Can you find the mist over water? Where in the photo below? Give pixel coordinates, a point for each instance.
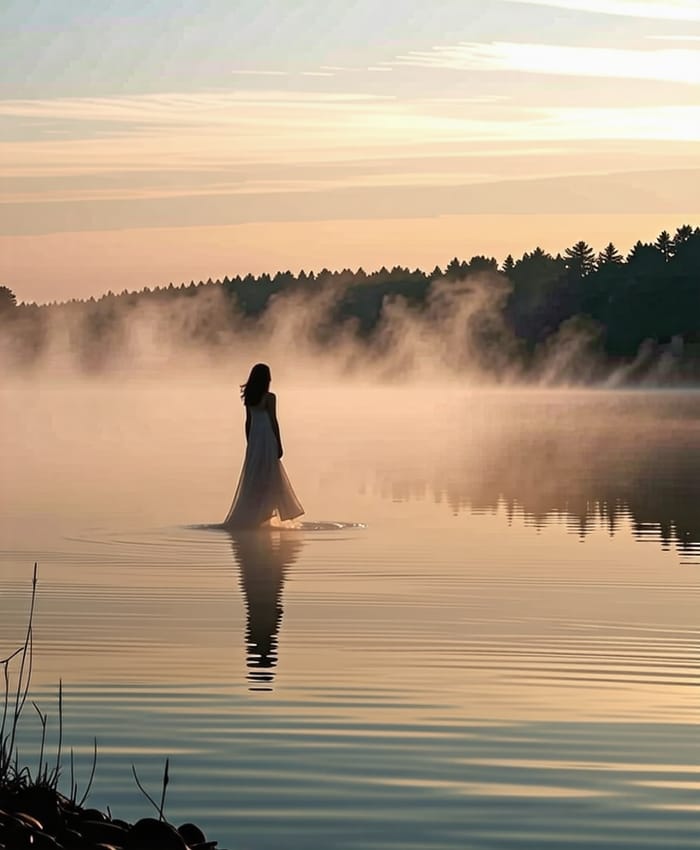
(134, 447)
(503, 656)
(458, 333)
(297, 333)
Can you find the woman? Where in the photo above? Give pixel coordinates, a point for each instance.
(263, 489)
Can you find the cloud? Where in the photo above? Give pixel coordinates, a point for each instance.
(668, 64)
(674, 37)
(353, 179)
(250, 145)
(668, 10)
(179, 107)
(668, 191)
(233, 131)
(679, 123)
(254, 73)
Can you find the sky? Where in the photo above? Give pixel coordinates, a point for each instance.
(149, 141)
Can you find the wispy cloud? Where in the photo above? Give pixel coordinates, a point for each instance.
(669, 64)
(475, 99)
(678, 123)
(198, 109)
(211, 131)
(255, 143)
(247, 72)
(322, 71)
(674, 37)
(352, 179)
(667, 10)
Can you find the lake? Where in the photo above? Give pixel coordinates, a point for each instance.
(485, 634)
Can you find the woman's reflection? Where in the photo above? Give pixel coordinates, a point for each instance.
(263, 557)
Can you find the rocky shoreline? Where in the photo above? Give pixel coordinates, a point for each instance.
(38, 817)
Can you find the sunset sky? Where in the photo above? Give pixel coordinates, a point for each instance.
(144, 142)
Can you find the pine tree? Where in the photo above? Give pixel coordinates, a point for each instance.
(609, 256)
(683, 234)
(664, 244)
(635, 250)
(455, 269)
(580, 259)
(508, 265)
(481, 263)
(8, 300)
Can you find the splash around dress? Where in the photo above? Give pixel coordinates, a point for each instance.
(263, 491)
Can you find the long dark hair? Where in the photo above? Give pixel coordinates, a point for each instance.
(257, 385)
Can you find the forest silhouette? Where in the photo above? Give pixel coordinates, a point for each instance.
(625, 310)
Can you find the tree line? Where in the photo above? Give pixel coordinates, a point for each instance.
(651, 297)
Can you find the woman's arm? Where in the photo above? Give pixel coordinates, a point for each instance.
(247, 423)
(272, 410)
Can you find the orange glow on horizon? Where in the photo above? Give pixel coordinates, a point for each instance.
(91, 263)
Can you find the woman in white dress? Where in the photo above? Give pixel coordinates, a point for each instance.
(263, 490)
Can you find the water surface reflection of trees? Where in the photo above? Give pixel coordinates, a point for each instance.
(602, 459)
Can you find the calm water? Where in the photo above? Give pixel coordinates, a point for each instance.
(506, 656)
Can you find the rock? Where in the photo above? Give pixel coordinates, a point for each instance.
(41, 803)
(93, 814)
(72, 817)
(15, 833)
(42, 841)
(70, 838)
(103, 832)
(32, 822)
(191, 834)
(149, 833)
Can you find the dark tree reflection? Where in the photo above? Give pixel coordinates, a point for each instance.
(587, 459)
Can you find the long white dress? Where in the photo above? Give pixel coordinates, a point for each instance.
(263, 491)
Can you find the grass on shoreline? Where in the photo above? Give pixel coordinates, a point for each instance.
(33, 812)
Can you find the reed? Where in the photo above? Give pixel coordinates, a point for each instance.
(14, 777)
(32, 810)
